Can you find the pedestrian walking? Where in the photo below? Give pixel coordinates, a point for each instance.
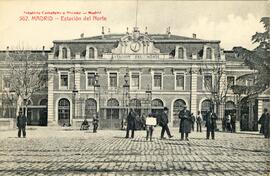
(185, 122)
(95, 124)
(266, 127)
(199, 122)
(21, 124)
(192, 121)
(210, 124)
(233, 123)
(131, 118)
(150, 123)
(164, 123)
(262, 120)
(228, 123)
(224, 128)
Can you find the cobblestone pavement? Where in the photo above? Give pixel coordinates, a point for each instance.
(56, 151)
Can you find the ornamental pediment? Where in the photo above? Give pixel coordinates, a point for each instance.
(135, 43)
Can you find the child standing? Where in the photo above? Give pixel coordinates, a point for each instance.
(150, 123)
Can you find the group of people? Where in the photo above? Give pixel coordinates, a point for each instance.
(187, 120)
(85, 125)
(265, 123)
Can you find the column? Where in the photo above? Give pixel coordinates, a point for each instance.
(193, 90)
(77, 76)
(51, 108)
(222, 90)
(260, 107)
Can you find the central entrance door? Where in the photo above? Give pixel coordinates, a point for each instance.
(64, 112)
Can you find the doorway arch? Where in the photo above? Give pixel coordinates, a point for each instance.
(177, 107)
(90, 108)
(64, 112)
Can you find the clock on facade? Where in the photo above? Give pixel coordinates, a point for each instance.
(135, 46)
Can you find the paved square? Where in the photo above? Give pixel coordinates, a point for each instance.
(56, 151)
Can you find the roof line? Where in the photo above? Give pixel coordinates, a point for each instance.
(113, 40)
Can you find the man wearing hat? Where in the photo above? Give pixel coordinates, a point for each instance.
(164, 123)
(131, 120)
(185, 122)
(21, 123)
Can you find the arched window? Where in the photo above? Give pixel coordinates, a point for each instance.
(157, 103)
(91, 52)
(43, 102)
(90, 108)
(112, 109)
(177, 107)
(181, 53)
(136, 104)
(208, 53)
(230, 108)
(63, 112)
(205, 106)
(64, 53)
(157, 106)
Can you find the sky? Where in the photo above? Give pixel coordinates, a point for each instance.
(231, 22)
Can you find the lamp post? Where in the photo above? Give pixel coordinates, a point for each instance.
(149, 98)
(97, 88)
(126, 87)
(74, 93)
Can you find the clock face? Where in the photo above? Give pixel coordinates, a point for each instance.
(135, 46)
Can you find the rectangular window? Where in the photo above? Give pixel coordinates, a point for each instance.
(113, 80)
(135, 80)
(207, 82)
(90, 79)
(158, 80)
(180, 81)
(64, 80)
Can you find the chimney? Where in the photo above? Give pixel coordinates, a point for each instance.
(82, 35)
(169, 31)
(43, 50)
(103, 32)
(109, 30)
(127, 31)
(194, 36)
(146, 30)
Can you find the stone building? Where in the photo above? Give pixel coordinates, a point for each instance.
(108, 74)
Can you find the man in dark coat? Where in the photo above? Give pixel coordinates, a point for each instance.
(199, 122)
(210, 123)
(131, 118)
(192, 121)
(164, 123)
(267, 126)
(233, 123)
(262, 120)
(21, 124)
(95, 124)
(185, 122)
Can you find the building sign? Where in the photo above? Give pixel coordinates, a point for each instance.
(135, 56)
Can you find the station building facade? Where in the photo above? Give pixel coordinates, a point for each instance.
(106, 75)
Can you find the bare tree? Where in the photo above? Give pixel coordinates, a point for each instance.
(27, 75)
(216, 86)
